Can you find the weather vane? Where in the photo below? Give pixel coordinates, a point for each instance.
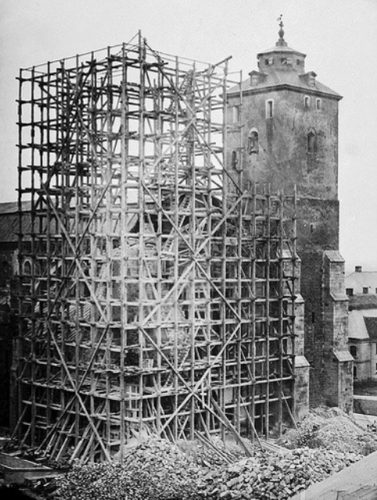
(281, 31)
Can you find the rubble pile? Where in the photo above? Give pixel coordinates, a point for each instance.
(273, 476)
(332, 429)
(153, 470)
(158, 470)
(212, 453)
(325, 441)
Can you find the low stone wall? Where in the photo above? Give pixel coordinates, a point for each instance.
(365, 404)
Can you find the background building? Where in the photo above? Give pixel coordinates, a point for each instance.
(361, 282)
(361, 288)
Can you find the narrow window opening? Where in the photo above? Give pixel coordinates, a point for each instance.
(27, 268)
(318, 103)
(354, 372)
(306, 102)
(253, 142)
(234, 159)
(269, 108)
(312, 142)
(313, 317)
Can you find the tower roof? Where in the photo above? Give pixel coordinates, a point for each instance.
(282, 67)
(281, 45)
(280, 49)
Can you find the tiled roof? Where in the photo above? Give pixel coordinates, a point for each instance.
(361, 302)
(359, 280)
(371, 324)
(279, 49)
(357, 328)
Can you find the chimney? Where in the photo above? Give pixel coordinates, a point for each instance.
(358, 269)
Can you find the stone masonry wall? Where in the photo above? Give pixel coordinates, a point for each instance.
(283, 159)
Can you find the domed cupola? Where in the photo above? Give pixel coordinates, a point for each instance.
(281, 57)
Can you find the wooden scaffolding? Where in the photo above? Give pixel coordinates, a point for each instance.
(156, 295)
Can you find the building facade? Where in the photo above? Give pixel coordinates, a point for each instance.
(361, 282)
(361, 288)
(288, 124)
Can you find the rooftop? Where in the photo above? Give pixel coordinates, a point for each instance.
(362, 279)
(360, 302)
(283, 67)
(11, 207)
(362, 324)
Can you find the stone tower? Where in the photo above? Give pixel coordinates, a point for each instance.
(288, 125)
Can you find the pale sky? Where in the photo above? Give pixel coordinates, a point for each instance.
(338, 36)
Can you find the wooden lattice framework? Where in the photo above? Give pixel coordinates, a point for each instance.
(159, 296)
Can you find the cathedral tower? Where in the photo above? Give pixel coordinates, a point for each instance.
(288, 122)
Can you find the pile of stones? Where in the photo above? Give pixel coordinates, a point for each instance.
(158, 470)
(274, 476)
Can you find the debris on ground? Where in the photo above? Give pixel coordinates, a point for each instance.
(326, 441)
(332, 429)
(274, 476)
(159, 470)
(153, 470)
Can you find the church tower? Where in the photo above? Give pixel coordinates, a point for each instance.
(287, 124)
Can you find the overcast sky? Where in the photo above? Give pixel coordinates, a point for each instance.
(338, 36)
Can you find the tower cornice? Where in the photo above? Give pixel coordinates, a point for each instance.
(285, 86)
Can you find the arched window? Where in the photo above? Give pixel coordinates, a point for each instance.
(27, 268)
(253, 142)
(306, 102)
(318, 103)
(312, 142)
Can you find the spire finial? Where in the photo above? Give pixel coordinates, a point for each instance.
(281, 41)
